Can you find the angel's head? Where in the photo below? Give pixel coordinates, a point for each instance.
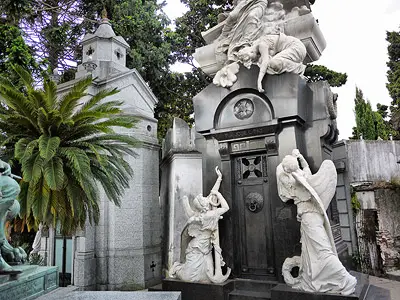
(247, 56)
(290, 164)
(201, 204)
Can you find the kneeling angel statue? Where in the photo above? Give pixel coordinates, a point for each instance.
(200, 237)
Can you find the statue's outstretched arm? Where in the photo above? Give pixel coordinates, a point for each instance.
(218, 181)
(263, 49)
(189, 211)
(304, 165)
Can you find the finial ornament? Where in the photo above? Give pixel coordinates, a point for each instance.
(104, 13)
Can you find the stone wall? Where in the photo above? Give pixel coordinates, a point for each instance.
(378, 228)
(373, 160)
(369, 202)
(388, 207)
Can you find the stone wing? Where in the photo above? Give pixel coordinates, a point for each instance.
(191, 230)
(185, 239)
(324, 182)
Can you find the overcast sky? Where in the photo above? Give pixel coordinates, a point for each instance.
(355, 31)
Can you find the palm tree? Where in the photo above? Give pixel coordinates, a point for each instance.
(67, 147)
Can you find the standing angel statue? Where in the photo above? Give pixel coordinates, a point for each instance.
(200, 237)
(320, 268)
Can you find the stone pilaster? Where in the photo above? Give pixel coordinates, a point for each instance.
(181, 175)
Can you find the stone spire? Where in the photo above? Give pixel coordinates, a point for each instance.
(103, 49)
(105, 30)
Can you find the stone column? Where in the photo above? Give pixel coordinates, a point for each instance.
(181, 175)
(47, 245)
(84, 264)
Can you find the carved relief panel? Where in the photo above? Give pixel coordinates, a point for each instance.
(241, 110)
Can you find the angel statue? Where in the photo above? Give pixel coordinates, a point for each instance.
(200, 237)
(9, 208)
(320, 268)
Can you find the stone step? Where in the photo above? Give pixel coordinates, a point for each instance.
(377, 293)
(254, 285)
(249, 295)
(59, 293)
(393, 275)
(362, 284)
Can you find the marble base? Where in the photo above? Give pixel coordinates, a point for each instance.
(199, 291)
(284, 292)
(31, 283)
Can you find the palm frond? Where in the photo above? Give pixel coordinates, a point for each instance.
(70, 100)
(24, 75)
(94, 101)
(50, 92)
(48, 146)
(77, 159)
(66, 148)
(54, 173)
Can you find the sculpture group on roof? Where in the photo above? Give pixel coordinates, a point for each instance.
(253, 34)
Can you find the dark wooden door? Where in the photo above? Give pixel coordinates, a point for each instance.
(253, 226)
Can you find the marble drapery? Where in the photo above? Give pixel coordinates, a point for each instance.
(320, 268)
(200, 236)
(253, 34)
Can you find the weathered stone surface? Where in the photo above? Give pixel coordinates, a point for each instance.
(366, 159)
(374, 201)
(377, 230)
(179, 138)
(388, 202)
